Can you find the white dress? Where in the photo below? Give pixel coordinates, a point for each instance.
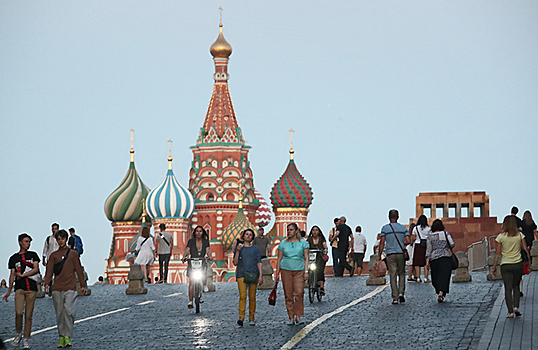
(145, 254)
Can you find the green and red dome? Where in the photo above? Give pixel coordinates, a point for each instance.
(291, 190)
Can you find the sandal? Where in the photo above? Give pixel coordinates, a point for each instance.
(510, 316)
(322, 291)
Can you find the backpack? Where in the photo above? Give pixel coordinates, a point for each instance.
(78, 245)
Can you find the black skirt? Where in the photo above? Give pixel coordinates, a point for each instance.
(441, 270)
(419, 255)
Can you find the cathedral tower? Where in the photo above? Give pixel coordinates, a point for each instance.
(220, 168)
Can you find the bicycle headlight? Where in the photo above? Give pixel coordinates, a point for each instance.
(312, 266)
(197, 275)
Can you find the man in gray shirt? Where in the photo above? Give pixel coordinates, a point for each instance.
(163, 246)
(263, 243)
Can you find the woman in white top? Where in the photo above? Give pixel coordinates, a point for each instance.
(146, 252)
(421, 231)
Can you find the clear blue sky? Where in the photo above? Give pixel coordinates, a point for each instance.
(388, 99)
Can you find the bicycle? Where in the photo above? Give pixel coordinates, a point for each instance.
(197, 274)
(313, 283)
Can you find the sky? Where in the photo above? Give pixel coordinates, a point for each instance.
(388, 99)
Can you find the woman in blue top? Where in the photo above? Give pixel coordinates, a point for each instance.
(247, 258)
(292, 254)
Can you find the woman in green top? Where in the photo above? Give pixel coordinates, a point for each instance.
(509, 244)
(292, 254)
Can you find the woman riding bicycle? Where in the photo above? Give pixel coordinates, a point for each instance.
(316, 240)
(197, 247)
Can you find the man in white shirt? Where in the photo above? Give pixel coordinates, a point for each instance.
(358, 249)
(50, 244)
(163, 248)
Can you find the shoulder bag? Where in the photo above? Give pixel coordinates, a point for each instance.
(453, 259)
(405, 253)
(251, 277)
(380, 268)
(164, 239)
(57, 268)
(422, 240)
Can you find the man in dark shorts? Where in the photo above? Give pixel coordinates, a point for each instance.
(23, 265)
(358, 249)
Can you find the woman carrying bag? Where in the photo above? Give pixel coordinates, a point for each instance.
(439, 258)
(509, 244)
(248, 259)
(292, 254)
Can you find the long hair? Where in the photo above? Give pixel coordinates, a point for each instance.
(204, 233)
(422, 221)
(527, 217)
(145, 232)
(412, 227)
(510, 225)
(310, 238)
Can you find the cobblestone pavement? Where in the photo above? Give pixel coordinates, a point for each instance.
(161, 320)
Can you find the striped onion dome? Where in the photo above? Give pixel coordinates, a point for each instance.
(233, 230)
(291, 190)
(170, 199)
(264, 210)
(125, 203)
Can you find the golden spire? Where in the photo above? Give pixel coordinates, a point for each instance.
(240, 196)
(143, 210)
(291, 149)
(132, 149)
(169, 154)
(221, 48)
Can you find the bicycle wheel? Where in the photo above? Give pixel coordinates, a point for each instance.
(197, 296)
(311, 287)
(316, 287)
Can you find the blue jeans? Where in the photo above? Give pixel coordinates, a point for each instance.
(336, 267)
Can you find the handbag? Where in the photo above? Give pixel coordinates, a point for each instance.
(405, 253)
(272, 296)
(251, 277)
(380, 268)
(453, 259)
(325, 257)
(422, 240)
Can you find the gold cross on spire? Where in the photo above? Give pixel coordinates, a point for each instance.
(169, 154)
(169, 147)
(132, 132)
(132, 148)
(291, 149)
(220, 9)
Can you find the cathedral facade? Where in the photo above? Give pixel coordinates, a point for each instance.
(220, 196)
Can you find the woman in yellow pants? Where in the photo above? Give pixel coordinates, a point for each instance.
(248, 259)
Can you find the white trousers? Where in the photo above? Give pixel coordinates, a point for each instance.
(65, 304)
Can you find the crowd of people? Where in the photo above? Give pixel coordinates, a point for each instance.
(419, 247)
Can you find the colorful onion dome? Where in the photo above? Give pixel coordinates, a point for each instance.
(234, 229)
(264, 210)
(125, 203)
(170, 199)
(291, 190)
(221, 48)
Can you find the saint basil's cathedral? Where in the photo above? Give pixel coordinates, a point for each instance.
(221, 196)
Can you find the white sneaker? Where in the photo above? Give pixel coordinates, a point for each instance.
(189, 305)
(17, 339)
(206, 289)
(25, 344)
